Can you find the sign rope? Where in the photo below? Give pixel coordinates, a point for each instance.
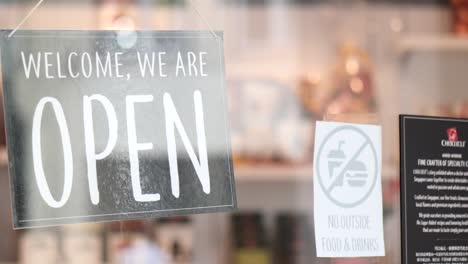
(25, 18)
(192, 4)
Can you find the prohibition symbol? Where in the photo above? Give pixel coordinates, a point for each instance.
(347, 166)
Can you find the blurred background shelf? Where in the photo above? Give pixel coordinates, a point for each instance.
(432, 43)
(273, 173)
(276, 173)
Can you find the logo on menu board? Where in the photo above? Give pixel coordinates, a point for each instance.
(452, 136)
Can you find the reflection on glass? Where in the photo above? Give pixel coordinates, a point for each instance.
(289, 63)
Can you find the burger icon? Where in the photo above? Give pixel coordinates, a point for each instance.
(356, 174)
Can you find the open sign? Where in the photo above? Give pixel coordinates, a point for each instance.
(99, 132)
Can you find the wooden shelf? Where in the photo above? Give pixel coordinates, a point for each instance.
(273, 173)
(432, 43)
(284, 174)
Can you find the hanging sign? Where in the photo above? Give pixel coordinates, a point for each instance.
(434, 189)
(347, 190)
(106, 125)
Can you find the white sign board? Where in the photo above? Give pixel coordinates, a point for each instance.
(347, 190)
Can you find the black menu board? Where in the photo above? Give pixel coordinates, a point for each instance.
(434, 189)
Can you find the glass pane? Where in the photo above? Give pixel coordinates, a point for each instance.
(289, 63)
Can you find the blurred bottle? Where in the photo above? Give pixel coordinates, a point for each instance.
(83, 244)
(460, 17)
(175, 237)
(39, 246)
(293, 240)
(250, 242)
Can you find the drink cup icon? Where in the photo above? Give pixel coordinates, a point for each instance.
(335, 158)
